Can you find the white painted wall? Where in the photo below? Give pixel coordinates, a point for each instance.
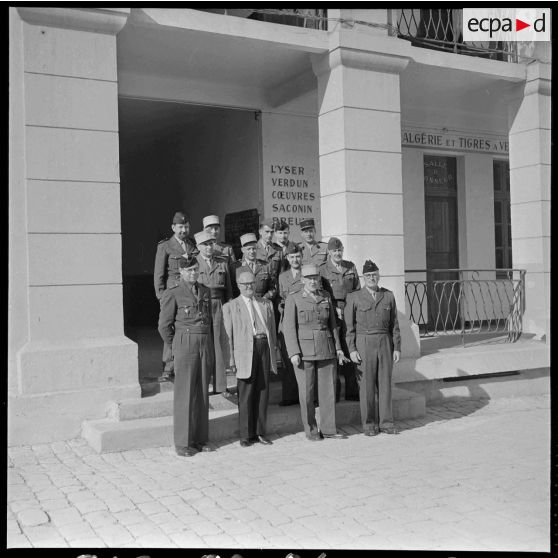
(291, 169)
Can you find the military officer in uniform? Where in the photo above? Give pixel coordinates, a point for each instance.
(290, 282)
(265, 250)
(166, 273)
(312, 251)
(313, 345)
(212, 226)
(282, 242)
(374, 343)
(214, 274)
(266, 280)
(186, 326)
(340, 277)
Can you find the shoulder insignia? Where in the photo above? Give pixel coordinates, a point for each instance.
(164, 240)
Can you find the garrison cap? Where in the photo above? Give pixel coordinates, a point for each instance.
(309, 269)
(369, 266)
(306, 224)
(202, 237)
(293, 249)
(180, 218)
(211, 220)
(268, 223)
(281, 225)
(334, 244)
(185, 263)
(247, 239)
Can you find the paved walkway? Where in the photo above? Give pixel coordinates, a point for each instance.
(470, 475)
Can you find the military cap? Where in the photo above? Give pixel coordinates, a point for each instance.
(307, 223)
(211, 220)
(180, 218)
(309, 269)
(281, 225)
(293, 249)
(185, 263)
(247, 239)
(334, 243)
(268, 223)
(369, 266)
(202, 236)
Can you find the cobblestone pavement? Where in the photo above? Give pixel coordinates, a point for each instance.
(470, 475)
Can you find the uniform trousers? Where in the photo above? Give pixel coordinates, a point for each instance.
(347, 369)
(289, 385)
(324, 371)
(193, 363)
(218, 377)
(376, 352)
(253, 393)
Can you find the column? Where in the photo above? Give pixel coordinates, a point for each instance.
(69, 353)
(360, 163)
(530, 196)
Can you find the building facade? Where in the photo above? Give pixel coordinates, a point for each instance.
(418, 158)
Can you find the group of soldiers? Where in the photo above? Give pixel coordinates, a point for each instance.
(297, 304)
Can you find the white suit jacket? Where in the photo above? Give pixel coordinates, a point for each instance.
(238, 345)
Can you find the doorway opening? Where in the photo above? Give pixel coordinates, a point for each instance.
(176, 157)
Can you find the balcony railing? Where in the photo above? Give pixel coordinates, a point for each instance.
(466, 301)
(442, 29)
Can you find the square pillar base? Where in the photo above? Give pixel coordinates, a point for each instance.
(59, 386)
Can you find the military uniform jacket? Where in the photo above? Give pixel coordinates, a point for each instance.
(265, 279)
(315, 254)
(310, 327)
(288, 284)
(273, 257)
(225, 251)
(216, 277)
(165, 270)
(181, 310)
(364, 315)
(283, 249)
(339, 283)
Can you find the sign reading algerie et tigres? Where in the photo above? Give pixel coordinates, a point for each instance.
(453, 140)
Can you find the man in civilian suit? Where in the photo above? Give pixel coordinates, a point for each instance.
(249, 349)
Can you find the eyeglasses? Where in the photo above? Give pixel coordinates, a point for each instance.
(371, 275)
(191, 269)
(248, 284)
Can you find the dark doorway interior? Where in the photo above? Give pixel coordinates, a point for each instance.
(440, 191)
(176, 157)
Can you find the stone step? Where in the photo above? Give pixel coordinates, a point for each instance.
(111, 435)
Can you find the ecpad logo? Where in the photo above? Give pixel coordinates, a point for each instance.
(506, 24)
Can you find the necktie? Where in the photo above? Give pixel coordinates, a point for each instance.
(183, 245)
(256, 322)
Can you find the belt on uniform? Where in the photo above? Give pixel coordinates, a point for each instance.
(312, 329)
(260, 336)
(371, 332)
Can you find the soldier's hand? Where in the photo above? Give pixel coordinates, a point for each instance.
(341, 358)
(295, 359)
(339, 312)
(355, 357)
(396, 356)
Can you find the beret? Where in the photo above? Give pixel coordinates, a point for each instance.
(334, 243)
(190, 261)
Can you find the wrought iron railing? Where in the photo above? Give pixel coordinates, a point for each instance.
(442, 29)
(466, 301)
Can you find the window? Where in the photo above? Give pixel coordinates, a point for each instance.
(502, 217)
